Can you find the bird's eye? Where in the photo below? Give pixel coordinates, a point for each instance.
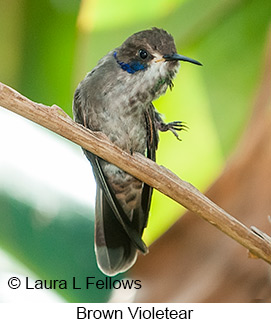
(143, 53)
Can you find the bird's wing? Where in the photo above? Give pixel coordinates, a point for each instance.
(111, 200)
(152, 143)
(114, 203)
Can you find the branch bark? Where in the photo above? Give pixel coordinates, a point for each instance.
(162, 179)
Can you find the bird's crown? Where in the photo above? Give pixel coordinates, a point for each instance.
(149, 46)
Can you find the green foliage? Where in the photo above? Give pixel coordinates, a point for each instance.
(45, 53)
(58, 248)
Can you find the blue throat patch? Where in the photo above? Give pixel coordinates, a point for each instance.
(130, 68)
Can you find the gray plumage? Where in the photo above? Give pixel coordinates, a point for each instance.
(116, 99)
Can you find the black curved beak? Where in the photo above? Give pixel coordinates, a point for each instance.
(177, 57)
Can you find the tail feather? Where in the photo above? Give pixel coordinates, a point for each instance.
(114, 249)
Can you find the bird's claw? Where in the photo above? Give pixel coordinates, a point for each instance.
(173, 127)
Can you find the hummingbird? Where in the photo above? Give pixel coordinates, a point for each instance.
(115, 98)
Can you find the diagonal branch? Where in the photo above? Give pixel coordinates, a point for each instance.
(56, 120)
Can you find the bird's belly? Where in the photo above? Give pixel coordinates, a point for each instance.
(127, 130)
(126, 188)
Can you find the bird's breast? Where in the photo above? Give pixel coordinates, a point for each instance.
(126, 127)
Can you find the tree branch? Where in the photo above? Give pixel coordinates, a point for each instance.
(56, 120)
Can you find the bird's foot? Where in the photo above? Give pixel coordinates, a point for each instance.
(173, 127)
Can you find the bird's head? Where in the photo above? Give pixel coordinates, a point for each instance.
(150, 49)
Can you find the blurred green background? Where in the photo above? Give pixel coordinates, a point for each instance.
(47, 48)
